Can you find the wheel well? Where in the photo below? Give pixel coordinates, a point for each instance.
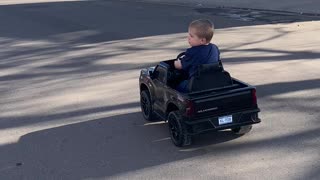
(171, 107)
(143, 87)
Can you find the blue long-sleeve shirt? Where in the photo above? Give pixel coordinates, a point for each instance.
(197, 55)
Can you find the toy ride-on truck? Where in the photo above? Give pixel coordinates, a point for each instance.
(215, 101)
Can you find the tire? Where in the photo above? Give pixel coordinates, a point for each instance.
(146, 106)
(242, 130)
(178, 130)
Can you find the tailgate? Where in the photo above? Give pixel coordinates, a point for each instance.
(223, 104)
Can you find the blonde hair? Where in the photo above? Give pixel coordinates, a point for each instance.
(204, 28)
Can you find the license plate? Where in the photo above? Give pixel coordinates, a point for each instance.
(225, 120)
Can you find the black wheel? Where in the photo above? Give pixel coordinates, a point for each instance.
(146, 106)
(178, 130)
(242, 130)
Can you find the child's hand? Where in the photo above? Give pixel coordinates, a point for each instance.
(177, 64)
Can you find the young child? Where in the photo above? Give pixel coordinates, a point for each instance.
(201, 50)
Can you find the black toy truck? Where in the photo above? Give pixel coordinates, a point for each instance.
(215, 101)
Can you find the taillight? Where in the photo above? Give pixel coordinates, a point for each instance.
(189, 108)
(254, 97)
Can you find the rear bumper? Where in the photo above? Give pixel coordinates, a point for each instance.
(242, 118)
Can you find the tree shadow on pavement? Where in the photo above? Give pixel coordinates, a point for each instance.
(112, 146)
(106, 20)
(96, 148)
(56, 43)
(58, 39)
(287, 56)
(267, 90)
(18, 121)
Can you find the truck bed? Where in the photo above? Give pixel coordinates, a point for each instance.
(223, 101)
(236, 86)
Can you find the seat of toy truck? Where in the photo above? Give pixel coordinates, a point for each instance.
(209, 76)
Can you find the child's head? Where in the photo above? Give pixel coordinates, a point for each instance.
(200, 32)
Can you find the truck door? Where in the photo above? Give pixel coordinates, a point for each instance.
(160, 83)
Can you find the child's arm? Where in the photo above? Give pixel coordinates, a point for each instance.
(177, 64)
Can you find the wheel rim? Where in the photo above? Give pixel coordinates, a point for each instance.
(145, 105)
(174, 130)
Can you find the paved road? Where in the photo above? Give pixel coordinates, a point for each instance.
(297, 6)
(69, 93)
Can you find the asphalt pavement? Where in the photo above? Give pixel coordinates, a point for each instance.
(296, 6)
(69, 92)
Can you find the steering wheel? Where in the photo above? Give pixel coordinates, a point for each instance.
(181, 55)
(179, 73)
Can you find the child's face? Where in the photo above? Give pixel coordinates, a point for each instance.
(193, 39)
